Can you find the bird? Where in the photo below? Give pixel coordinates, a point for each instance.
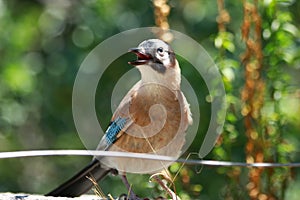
(153, 117)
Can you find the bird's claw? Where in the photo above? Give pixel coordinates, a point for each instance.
(130, 197)
(156, 177)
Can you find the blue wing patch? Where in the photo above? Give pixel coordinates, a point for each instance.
(114, 128)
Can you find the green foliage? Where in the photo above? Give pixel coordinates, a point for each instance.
(42, 44)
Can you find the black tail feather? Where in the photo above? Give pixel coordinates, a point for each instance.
(80, 184)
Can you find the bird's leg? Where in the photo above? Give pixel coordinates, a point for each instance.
(157, 178)
(132, 196)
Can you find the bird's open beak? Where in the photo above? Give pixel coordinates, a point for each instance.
(142, 58)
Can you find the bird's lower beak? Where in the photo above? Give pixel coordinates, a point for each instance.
(142, 57)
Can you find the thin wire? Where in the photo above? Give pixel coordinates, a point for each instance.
(36, 153)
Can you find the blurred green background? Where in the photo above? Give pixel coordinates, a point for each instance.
(43, 42)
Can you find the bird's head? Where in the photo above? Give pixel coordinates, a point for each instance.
(157, 62)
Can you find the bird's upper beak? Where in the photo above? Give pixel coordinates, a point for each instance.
(142, 57)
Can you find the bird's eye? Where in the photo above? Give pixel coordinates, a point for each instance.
(160, 50)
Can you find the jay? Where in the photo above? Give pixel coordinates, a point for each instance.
(152, 118)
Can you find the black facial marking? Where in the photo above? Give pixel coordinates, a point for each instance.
(159, 67)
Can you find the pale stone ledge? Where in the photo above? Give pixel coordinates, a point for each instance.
(21, 196)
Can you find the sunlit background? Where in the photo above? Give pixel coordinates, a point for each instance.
(43, 42)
